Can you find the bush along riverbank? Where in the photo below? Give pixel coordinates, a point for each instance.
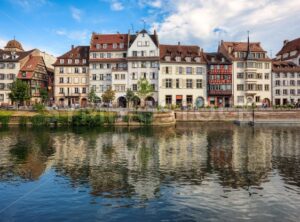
(86, 118)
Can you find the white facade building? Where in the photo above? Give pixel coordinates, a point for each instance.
(251, 70)
(182, 77)
(285, 83)
(143, 62)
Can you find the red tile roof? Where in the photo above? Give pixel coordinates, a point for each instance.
(284, 66)
(30, 66)
(216, 58)
(243, 46)
(76, 53)
(109, 39)
(182, 51)
(290, 46)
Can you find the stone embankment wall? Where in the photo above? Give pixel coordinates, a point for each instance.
(242, 116)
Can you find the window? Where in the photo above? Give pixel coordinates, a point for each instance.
(116, 76)
(144, 75)
(199, 70)
(277, 83)
(61, 80)
(143, 53)
(240, 65)
(11, 76)
(76, 61)
(94, 77)
(257, 99)
(167, 70)
(292, 82)
(133, 76)
(177, 83)
(83, 69)
(76, 70)
(240, 87)
(277, 91)
(189, 83)
(189, 70)
(1, 97)
(267, 75)
(61, 70)
(61, 61)
(298, 82)
(153, 76)
(134, 87)
(267, 87)
(61, 90)
(139, 43)
(104, 46)
(292, 75)
(76, 90)
(109, 55)
(2, 76)
(168, 99)
(115, 45)
(101, 77)
(298, 91)
(284, 92)
(180, 70)
(168, 83)
(2, 85)
(259, 75)
(83, 90)
(121, 45)
(225, 66)
(292, 92)
(240, 75)
(123, 76)
(153, 87)
(144, 65)
(199, 83)
(267, 65)
(189, 99)
(134, 53)
(69, 61)
(259, 87)
(94, 66)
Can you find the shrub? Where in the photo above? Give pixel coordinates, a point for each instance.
(4, 120)
(145, 117)
(39, 107)
(40, 120)
(23, 120)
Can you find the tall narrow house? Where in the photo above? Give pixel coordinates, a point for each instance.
(143, 62)
(108, 65)
(71, 77)
(251, 70)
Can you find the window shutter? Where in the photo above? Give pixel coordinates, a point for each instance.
(184, 84)
(193, 70)
(164, 83)
(170, 69)
(177, 70)
(194, 83)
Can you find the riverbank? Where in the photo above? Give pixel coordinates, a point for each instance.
(92, 118)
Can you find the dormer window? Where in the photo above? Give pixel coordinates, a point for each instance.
(188, 59)
(84, 61)
(197, 59)
(223, 60)
(76, 61)
(213, 59)
(168, 58)
(104, 46)
(115, 45)
(121, 45)
(139, 43)
(61, 61)
(23, 74)
(69, 61)
(178, 58)
(98, 46)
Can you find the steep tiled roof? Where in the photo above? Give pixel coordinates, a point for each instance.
(108, 39)
(30, 67)
(182, 51)
(243, 46)
(153, 36)
(284, 66)
(290, 46)
(216, 58)
(76, 53)
(8, 56)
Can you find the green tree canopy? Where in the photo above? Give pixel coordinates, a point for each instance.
(44, 95)
(19, 91)
(92, 97)
(108, 95)
(129, 96)
(144, 88)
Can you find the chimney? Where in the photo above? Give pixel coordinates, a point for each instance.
(72, 46)
(285, 42)
(178, 43)
(154, 32)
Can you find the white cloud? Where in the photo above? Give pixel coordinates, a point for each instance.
(29, 5)
(116, 5)
(205, 22)
(2, 43)
(76, 13)
(78, 35)
(151, 3)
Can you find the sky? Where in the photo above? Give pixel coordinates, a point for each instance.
(54, 25)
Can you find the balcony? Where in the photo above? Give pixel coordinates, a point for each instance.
(119, 69)
(219, 92)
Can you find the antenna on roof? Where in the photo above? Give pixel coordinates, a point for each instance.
(132, 28)
(143, 20)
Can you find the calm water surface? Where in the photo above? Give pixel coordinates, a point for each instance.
(191, 172)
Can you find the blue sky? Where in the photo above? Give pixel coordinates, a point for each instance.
(54, 25)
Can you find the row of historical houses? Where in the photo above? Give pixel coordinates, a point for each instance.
(238, 74)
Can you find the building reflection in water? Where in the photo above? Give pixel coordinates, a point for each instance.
(137, 162)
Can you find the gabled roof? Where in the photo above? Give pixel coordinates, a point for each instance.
(290, 46)
(76, 53)
(284, 66)
(7, 56)
(182, 51)
(153, 37)
(30, 67)
(108, 39)
(216, 58)
(243, 46)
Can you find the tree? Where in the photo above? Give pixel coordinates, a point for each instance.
(144, 89)
(92, 97)
(44, 95)
(129, 96)
(20, 92)
(108, 95)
